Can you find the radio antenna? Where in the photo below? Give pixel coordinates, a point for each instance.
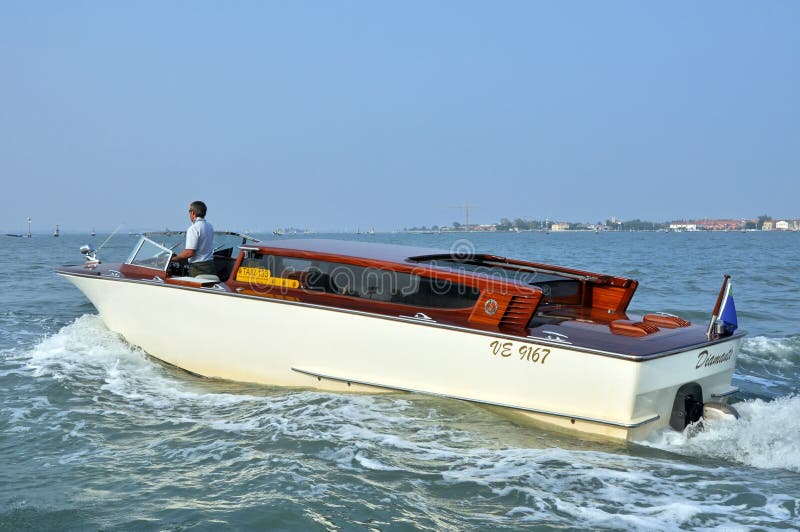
(110, 236)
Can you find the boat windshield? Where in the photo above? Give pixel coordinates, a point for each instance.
(149, 254)
(155, 249)
(225, 242)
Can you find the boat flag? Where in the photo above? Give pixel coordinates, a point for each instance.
(727, 314)
(725, 310)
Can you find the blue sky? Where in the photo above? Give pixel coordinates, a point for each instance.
(335, 115)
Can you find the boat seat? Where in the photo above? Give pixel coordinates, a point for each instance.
(317, 280)
(632, 328)
(196, 282)
(300, 276)
(665, 320)
(224, 266)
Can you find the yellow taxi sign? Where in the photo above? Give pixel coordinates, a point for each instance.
(263, 276)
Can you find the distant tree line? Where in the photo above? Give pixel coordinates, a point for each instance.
(522, 224)
(422, 228)
(636, 225)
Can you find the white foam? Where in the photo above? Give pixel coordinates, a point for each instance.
(85, 345)
(779, 351)
(85, 353)
(247, 425)
(353, 457)
(20, 415)
(592, 488)
(766, 436)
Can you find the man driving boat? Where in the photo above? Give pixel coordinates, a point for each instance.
(199, 252)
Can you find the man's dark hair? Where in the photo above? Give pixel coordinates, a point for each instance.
(199, 208)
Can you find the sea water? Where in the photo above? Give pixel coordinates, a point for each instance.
(94, 434)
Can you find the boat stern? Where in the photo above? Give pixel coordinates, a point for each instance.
(678, 386)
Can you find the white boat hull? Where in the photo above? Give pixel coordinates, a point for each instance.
(275, 342)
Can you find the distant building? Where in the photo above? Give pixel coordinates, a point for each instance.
(560, 226)
(683, 227)
(769, 225)
(783, 225)
(718, 225)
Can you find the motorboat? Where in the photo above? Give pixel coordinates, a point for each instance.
(544, 343)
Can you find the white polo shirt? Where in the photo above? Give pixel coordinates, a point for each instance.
(200, 238)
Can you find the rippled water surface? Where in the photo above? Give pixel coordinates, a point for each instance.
(96, 435)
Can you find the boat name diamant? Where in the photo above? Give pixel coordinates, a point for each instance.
(705, 360)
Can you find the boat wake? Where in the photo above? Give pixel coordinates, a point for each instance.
(767, 367)
(783, 352)
(765, 436)
(100, 403)
(96, 365)
(85, 354)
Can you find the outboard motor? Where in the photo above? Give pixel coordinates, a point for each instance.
(689, 408)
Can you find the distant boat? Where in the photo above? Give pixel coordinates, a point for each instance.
(277, 232)
(14, 235)
(372, 231)
(94, 233)
(55, 233)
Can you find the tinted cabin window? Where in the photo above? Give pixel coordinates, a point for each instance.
(438, 293)
(556, 289)
(560, 292)
(368, 283)
(256, 260)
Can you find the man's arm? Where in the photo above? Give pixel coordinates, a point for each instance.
(192, 243)
(183, 255)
